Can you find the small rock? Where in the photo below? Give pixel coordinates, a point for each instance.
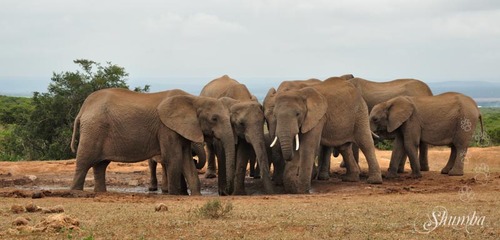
(31, 177)
(161, 208)
(20, 221)
(37, 195)
(31, 207)
(17, 209)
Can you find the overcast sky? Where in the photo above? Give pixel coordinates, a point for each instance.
(433, 40)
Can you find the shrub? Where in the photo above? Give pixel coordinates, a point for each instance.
(214, 209)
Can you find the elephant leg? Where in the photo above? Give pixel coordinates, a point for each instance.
(365, 142)
(355, 152)
(451, 160)
(153, 181)
(211, 168)
(402, 162)
(352, 169)
(324, 163)
(242, 155)
(190, 172)
(100, 176)
(423, 157)
(256, 168)
(458, 166)
(398, 155)
(411, 147)
(82, 168)
(164, 181)
(173, 158)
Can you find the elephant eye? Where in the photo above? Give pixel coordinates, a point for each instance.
(241, 124)
(375, 119)
(297, 114)
(214, 119)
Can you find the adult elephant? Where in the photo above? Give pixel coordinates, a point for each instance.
(329, 114)
(268, 105)
(376, 92)
(247, 120)
(446, 119)
(125, 126)
(197, 149)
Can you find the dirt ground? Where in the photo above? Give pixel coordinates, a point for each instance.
(288, 216)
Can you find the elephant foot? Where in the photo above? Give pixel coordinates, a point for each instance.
(351, 177)
(415, 175)
(210, 174)
(374, 179)
(391, 175)
(99, 189)
(153, 189)
(445, 170)
(324, 176)
(239, 192)
(424, 168)
(455, 172)
(256, 177)
(196, 193)
(164, 191)
(401, 170)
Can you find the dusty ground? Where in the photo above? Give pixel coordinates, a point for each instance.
(395, 209)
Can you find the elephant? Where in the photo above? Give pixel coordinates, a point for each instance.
(269, 102)
(377, 92)
(329, 114)
(247, 120)
(197, 149)
(125, 126)
(445, 119)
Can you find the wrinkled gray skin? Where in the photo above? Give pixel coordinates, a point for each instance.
(331, 114)
(447, 119)
(198, 149)
(376, 92)
(125, 126)
(247, 119)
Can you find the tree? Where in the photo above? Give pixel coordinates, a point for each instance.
(47, 132)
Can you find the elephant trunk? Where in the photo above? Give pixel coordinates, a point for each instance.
(286, 145)
(199, 149)
(258, 144)
(229, 152)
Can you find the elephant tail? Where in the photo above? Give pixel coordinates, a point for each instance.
(76, 124)
(481, 122)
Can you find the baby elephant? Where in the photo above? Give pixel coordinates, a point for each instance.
(446, 119)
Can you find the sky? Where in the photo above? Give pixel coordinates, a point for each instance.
(254, 41)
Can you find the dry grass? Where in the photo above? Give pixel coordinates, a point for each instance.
(324, 216)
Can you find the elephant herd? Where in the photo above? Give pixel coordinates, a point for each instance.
(296, 128)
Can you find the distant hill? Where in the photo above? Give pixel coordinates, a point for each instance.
(486, 94)
(480, 89)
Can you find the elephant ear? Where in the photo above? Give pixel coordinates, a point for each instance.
(228, 102)
(179, 114)
(270, 94)
(399, 110)
(316, 108)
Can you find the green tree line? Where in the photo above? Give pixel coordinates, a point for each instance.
(40, 127)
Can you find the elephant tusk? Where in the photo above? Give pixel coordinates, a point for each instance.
(375, 135)
(297, 142)
(274, 141)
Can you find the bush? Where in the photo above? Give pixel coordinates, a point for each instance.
(45, 131)
(214, 209)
